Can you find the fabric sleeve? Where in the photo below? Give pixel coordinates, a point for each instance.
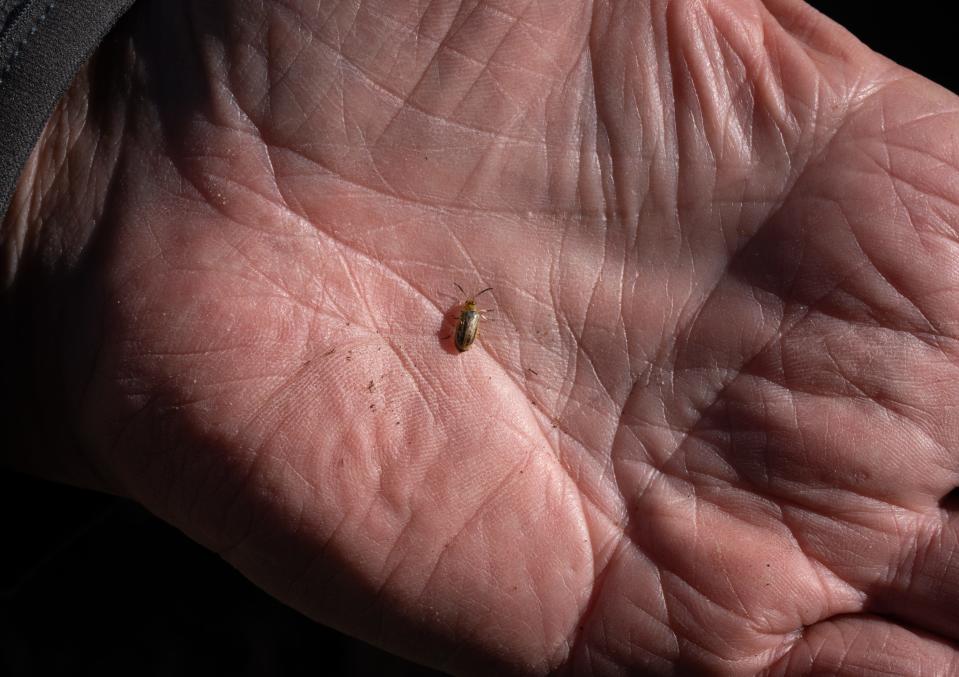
(42, 45)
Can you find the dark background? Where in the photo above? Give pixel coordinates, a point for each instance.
(91, 584)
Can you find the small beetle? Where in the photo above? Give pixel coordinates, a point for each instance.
(468, 324)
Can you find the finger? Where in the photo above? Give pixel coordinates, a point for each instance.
(866, 645)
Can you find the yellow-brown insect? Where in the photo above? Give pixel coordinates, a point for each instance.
(468, 324)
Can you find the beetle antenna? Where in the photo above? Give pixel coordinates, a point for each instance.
(484, 291)
(460, 288)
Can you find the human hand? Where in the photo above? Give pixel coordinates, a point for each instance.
(711, 427)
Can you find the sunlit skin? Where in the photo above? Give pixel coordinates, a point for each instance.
(715, 428)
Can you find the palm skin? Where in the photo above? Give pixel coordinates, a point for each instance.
(712, 426)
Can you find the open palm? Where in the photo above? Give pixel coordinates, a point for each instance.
(713, 421)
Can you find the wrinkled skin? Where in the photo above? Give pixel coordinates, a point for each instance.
(712, 428)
